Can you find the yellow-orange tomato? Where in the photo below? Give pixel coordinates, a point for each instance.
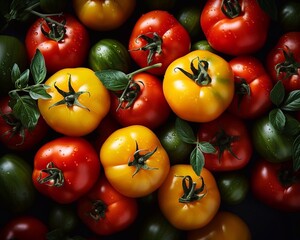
(224, 226)
(103, 15)
(183, 199)
(78, 103)
(199, 86)
(134, 161)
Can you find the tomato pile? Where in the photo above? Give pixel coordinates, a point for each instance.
(150, 119)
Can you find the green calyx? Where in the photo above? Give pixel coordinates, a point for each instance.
(69, 98)
(289, 66)
(56, 30)
(54, 178)
(231, 8)
(190, 192)
(98, 211)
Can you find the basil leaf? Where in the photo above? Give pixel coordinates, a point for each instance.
(197, 160)
(292, 101)
(277, 119)
(185, 131)
(113, 80)
(277, 93)
(38, 67)
(38, 92)
(206, 147)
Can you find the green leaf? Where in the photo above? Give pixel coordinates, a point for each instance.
(185, 131)
(197, 160)
(113, 80)
(38, 67)
(296, 153)
(206, 147)
(292, 126)
(277, 119)
(15, 73)
(270, 7)
(292, 101)
(22, 81)
(25, 109)
(38, 92)
(277, 94)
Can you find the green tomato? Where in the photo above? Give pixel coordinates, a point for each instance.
(233, 187)
(109, 54)
(12, 51)
(202, 45)
(289, 17)
(270, 143)
(17, 191)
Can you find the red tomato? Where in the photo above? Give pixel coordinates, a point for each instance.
(241, 31)
(283, 61)
(252, 87)
(105, 210)
(276, 185)
(230, 137)
(62, 47)
(65, 168)
(149, 106)
(13, 135)
(158, 37)
(24, 228)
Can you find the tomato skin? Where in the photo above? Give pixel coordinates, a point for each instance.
(75, 120)
(272, 184)
(191, 215)
(150, 108)
(11, 134)
(103, 15)
(69, 52)
(196, 102)
(175, 40)
(24, 228)
(289, 42)
(74, 158)
(224, 226)
(241, 35)
(17, 191)
(118, 150)
(120, 212)
(249, 72)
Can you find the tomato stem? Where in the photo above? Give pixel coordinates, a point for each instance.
(98, 211)
(191, 193)
(54, 178)
(231, 8)
(289, 66)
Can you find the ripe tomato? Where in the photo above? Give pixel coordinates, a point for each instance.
(276, 184)
(235, 27)
(187, 200)
(103, 15)
(65, 168)
(143, 103)
(134, 161)
(224, 226)
(253, 85)
(24, 228)
(78, 102)
(158, 37)
(283, 61)
(62, 46)
(199, 86)
(106, 211)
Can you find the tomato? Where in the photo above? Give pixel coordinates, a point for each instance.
(288, 15)
(142, 103)
(202, 45)
(158, 37)
(78, 102)
(17, 193)
(283, 61)
(187, 200)
(109, 54)
(235, 27)
(24, 227)
(253, 85)
(103, 15)
(62, 46)
(12, 50)
(276, 185)
(65, 168)
(134, 161)
(233, 187)
(106, 211)
(270, 143)
(224, 226)
(13, 135)
(202, 83)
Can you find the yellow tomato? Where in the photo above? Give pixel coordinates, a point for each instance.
(78, 103)
(199, 86)
(188, 207)
(103, 15)
(224, 226)
(134, 161)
